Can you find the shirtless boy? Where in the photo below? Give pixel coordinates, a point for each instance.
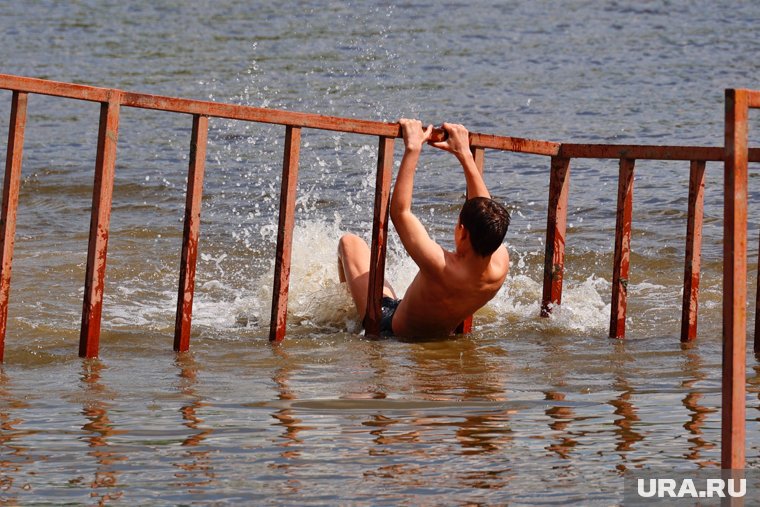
(449, 286)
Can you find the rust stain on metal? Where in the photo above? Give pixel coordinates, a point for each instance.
(516, 144)
(285, 226)
(640, 152)
(621, 262)
(438, 135)
(383, 178)
(756, 347)
(97, 249)
(733, 411)
(465, 327)
(54, 88)
(191, 233)
(556, 221)
(11, 185)
(690, 304)
(753, 98)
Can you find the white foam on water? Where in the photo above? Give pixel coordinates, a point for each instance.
(518, 304)
(318, 302)
(316, 298)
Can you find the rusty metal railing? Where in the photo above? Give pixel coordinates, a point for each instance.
(627, 156)
(560, 154)
(111, 101)
(736, 154)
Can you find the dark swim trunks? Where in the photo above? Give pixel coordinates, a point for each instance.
(388, 306)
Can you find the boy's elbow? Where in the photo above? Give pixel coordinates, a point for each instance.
(397, 221)
(395, 212)
(399, 218)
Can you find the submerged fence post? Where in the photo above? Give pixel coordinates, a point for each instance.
(285, 227)
(479, 154)
(756, 347)
(691, 274)
(556, 223)
(193, 200)
(383, 179)
(11, 186)
(100, 220)
(732, 452)
(622, 258)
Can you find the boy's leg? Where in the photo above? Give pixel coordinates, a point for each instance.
(353, 268)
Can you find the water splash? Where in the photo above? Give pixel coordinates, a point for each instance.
(318, 302)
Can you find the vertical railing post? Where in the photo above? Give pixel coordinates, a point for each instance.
(285, 227)
(556, 222)
(11, 185)
(734, 282)
(756, 347)
(383, 179)
(622, 258)
(193, 199)
(100, 220)
(479, 154)
(691, 274)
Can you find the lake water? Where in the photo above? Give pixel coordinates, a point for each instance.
(524, 410)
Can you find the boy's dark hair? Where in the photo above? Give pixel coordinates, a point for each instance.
(487, 222)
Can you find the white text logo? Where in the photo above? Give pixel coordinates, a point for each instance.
(714, 488)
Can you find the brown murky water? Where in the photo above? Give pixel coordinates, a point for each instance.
(333, 417)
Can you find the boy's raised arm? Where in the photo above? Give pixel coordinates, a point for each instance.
(425, 252)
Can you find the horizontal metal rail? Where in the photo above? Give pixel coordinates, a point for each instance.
(255, 114)
(753, 97)
(355, 126)
(643, 152)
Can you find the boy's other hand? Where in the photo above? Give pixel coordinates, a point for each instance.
(458, 141)
(414, 136)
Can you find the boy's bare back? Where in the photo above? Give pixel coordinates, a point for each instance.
(436, 302)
